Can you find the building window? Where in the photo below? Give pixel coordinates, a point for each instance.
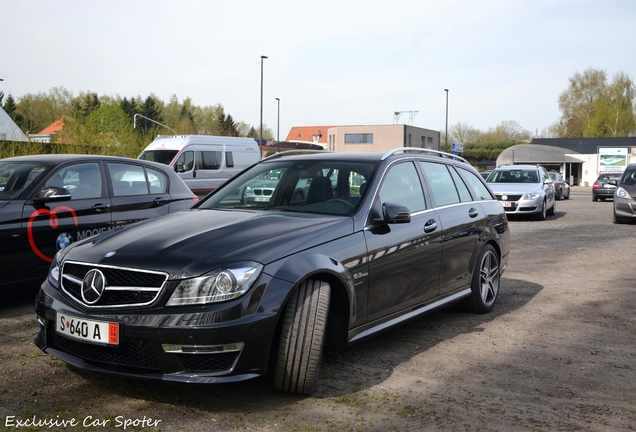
(429, 140)
(358, 138)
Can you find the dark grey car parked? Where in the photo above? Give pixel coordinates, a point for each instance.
(230, 290)
(625, 196)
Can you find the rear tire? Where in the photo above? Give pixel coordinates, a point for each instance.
(484, 283)
(302, 338)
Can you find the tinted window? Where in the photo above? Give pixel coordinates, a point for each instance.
(128, 179)
(464, 195)
(229, 160)
(479, 190)
(442, 185)
(402, 186)
(161, 156)
(211, 160)
(82, 180)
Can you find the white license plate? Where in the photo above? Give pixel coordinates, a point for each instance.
(261, 199)
(99, 332)
(505, 204)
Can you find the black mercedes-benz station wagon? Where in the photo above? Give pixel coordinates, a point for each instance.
(233, 289)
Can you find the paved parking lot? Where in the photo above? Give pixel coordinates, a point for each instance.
(558, 353)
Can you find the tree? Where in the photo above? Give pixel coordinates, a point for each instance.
(593, 108)
(83, 105)
(463, 133)
(151, 108)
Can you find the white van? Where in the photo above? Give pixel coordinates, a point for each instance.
(204, 162)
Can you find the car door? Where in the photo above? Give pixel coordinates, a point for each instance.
(138, 192)
(51, 226)
(462, 221)
(404, 259)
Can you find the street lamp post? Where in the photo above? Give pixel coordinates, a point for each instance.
(278, 127)
(260, 142)
(446, 133)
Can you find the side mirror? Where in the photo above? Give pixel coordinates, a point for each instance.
(612, 182)
(179, 167)
(395, 213)
(53, 193)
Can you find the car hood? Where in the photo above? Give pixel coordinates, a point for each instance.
(193, 242)
(515, 188)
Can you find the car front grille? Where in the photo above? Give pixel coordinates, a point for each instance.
(125, 287)
(509, 197)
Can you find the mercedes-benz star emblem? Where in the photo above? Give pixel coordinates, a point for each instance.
(93, 286)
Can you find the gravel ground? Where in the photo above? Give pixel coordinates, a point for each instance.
(558, 353)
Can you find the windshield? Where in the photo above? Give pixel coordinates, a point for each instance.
(16, 177)
(514, 176)
(629, 177)
(161, 156)
(307, 186)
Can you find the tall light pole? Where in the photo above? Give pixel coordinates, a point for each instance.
(446, 134)
(278, 127)
(260, 142)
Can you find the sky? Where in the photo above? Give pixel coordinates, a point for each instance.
(331, 63)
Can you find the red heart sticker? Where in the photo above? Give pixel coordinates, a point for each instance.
(53, 221)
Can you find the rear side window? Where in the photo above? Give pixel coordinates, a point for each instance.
(135, 180)
(211, 160)
(479, 190)
(464, 195)
(442, 185)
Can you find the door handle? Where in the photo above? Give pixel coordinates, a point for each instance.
(473, 213)
(160, 201)
(430, 226)
(100, 207)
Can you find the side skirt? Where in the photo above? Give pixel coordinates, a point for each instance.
(385, 323)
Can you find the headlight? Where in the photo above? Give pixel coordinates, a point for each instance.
(54, 271)
(531, 196)
(216, 286)
(622, 193)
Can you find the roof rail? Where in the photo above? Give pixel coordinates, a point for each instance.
(424, 151)
(292, 152)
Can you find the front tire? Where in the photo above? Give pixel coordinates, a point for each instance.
(552, 210)
(302, 338)
(542, 214)
(484, 283)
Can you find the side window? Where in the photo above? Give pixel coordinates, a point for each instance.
(157, 180)
(402, 186)
(211, 160)
(464, 195)
(442, 185)
(82, 180)
(229, 160)
(128, 179)
(187, 159)
(480, 191)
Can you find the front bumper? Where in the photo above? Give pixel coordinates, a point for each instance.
(217, 343)
(624, 208)
(522, 206)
